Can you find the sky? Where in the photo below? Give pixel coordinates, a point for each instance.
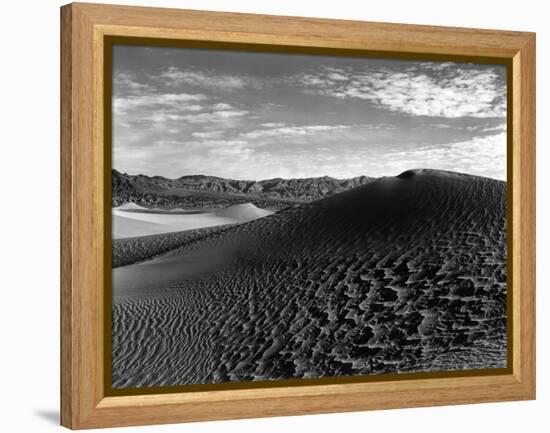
(253, 116)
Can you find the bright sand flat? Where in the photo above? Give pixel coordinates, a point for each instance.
(128, 221)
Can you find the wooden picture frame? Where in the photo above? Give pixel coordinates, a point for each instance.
(85, 398)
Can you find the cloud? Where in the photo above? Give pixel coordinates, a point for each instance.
(481, 155)
(209, 79)
(212, 153)
(354, 118)
(126, 83)
(222, 106)
(174, 158)
(214, 116)
(494, 129)
(152, 101)
(277, 130)
(171, 111)
(207, 134)
(335, 76)
(230, 149)
(273, 124)
(425, 89)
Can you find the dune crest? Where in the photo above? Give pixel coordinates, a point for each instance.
(132, 220)
(130, 206)
(243, 211)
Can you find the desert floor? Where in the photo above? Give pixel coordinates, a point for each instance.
(403, 274)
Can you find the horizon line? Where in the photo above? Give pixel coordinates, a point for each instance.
(301, 178)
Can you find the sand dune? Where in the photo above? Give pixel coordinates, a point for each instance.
(130, 206)
(127, 251)
(124, 227)
(245, 211)
(131, 220)
(405, 273)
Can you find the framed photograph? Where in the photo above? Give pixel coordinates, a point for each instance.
(266, 215)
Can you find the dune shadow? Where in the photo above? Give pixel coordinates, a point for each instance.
(50, 415)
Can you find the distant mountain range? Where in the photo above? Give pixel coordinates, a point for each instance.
(211, 191)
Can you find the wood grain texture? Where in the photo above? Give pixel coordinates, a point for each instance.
(524, 241)
(83, 400)
(67, 394)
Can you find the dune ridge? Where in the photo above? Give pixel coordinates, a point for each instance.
(132, 220)
(402, 274)
(130, 206)
(244, 211)
(130, 250)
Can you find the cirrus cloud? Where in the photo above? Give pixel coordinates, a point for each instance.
(427, 89)
(280, 130)
(151, 101)
(174, 76)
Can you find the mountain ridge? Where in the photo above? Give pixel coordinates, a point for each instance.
(212, 191)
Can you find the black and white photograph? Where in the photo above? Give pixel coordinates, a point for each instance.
(291, 216)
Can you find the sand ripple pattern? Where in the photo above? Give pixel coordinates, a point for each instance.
(403, 274)
(127, 251)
